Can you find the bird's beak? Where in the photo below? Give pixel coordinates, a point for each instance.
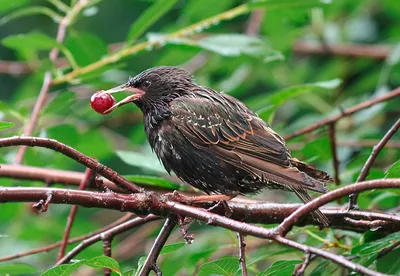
(137, 93)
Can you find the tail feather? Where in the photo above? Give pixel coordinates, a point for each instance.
(311, 170)
(317, 215)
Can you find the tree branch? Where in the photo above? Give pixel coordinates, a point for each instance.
(242, 254)
(332, 138)
(394, 93)
(84, 183)
(73, 154)
(162, 237)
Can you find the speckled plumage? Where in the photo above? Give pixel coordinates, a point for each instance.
(214, 142)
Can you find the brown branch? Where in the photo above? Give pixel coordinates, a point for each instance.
(144, 203)
(73, 240)
(109, 233)
(335, 159)
(242, 254)
(47, 79)
(49, 176)
(376, 150)
(155, 250)
(288, 223)
(386, 250)
(351, 143)
(379, 52)
(106, 251)
(254, 23)
(84, 183)
(244, 228)
(374, 154)
(394, 93)
(74, 154)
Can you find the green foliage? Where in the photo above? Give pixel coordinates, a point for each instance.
(288, 89)
(97, 262)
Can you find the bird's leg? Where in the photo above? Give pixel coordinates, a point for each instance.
(224, 204)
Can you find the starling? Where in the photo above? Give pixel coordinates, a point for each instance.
(212, 141)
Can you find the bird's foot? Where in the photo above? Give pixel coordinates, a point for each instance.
(182, 222)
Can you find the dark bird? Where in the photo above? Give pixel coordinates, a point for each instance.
(212, 141)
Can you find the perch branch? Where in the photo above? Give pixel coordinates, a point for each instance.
(242, 254)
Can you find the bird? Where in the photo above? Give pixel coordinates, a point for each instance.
(214, 142)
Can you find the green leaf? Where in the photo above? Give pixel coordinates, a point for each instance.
(281, 268)
(96, 262)
(86, 47)
(130, 272)
(389, 263)
(148, 18)
(141, 160)
(6, 5)
(34, 41)
(224, 266)
(153, 181)
(278, 98)
(172, 247)
(17, 269)
(393, 171)
(230, 45)
(30, 11)
(6, 125)
(284, 4)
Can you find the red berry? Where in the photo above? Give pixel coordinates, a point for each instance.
(101, 101)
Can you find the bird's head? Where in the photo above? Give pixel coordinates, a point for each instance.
(154, 87)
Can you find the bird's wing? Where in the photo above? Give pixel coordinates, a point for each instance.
(228, 124)
(228, 129)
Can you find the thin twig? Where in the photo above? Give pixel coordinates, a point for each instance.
(84, 183)
(392, 94)
(386, 250)
(47, 79)
(157, 246)
(242, 254)
(109, 233)
(302, 268)
(364, 143)
(374, 154)
(106, 251)
(74, 154)
(332, 138)
(73, 240)
(288, 223)
(379, 52)
(254, 23)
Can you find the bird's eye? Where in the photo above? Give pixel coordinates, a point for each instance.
(146, 83)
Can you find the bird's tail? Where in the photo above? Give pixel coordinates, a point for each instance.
(317, 215)
(311, 170)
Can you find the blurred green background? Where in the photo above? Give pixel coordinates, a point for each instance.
(258, 64)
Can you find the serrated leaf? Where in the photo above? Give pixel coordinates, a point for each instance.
(148, 18)
(225, 266)
(6, 125)
(393, 171)
(17, 269)
(141, 160)
(280, 268)
(96, 262)
(153, 181)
